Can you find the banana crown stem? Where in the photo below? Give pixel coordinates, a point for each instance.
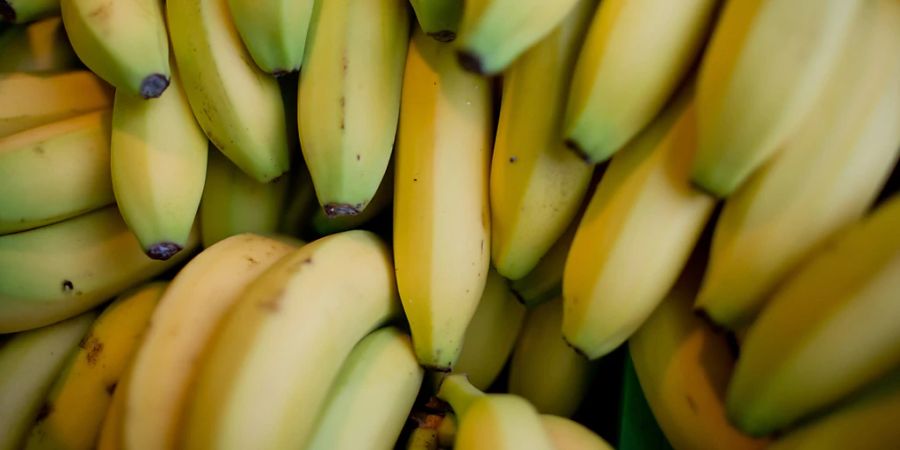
(459, 392)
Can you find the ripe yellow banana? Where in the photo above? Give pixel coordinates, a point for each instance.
(54, 172)
(122, 41)
(349, 98)
(422, 438)
(536, 184)
(828, 331)
(636, 54)
(79, 398)
(636, 235)
(158, 159)
(39, 47)
(765, 65)
(567, 434)
(540, 346)
(544, 282)
(826, 175)
(23, 11)
(438, 18)
(30, 361)
(164, 367)
(372, 395)
(441, 216)
(274, 32)
(493, 33)
(110, 437)
(266, 375)
(237, 105)
(60, 270)
(62, 96)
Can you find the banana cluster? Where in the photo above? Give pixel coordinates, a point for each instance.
(229, 224)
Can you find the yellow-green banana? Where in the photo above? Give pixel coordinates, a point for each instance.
(54, 172)
(635, 55)
(826, 175)
(323, 224)
(438, 18)
(371, 396)
(40, 47)
(537, 185)
(30, 361)
(158, 159)
(544, 282)
(540, 346)
(122, 41)
(237, 104)
(422, 438)
(164, 367)
(78, 401)
(829, 330)
(765, 65)
(441, 216)
(567, 434)
(30, 100)
(23, 11)
(349, 98)
(60, 270)
(266, 374)
(493, 33)
(300, 204)
(636, 235)
(274, 32)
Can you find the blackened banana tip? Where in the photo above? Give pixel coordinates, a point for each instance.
(470, 62)
(340, 209)
(443, 36)
(153, 85)
(163, 250)
(572, 145)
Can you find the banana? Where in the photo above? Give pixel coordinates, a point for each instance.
(567, 434)
(39, 47)
(422, 438)
(79, 399)
(493, 33)
(491, 334)
(441, 214)
(300, 205)
(274, 32)
(24, 11)
(349, 98)
(544, 282)
(234, 203)
(30, 361)
(765, 65)
(536, 184)
(60, 270)
(237, 105)
(323, 224)
(829, 330)
(110, 437)
(637, 428)
(493, 421)
(684, 366)
(61, 96)
(124, 42)
(636, 54)
(371, 396)
(192, 308)
(624, 258)
(158, 157)
(867, 422)
(54, 172)
(540, 345)
(438, 18)
(265, 377)
(844, 149)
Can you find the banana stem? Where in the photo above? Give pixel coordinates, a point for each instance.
(459, 392)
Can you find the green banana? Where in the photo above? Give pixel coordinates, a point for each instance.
(60, 270)
(235, 203)
(540, 346)
(371, 396)
(157, 386)
(300, 204)
(322, 224)
(544, 282)
(766, 63)
(61, 96)
(349, 98)
(624, 258)
(844, 149)
(438, 18)
(828, 331)
(30, 361)
(536, 184)
(636, 54)
(567, 434)
(441, 215)
(158, 157)
(39, 47)
(54, 172)
(24, 11)
(266, 375)
(237, 105)
(274, 32)
(124, 42)
(78, 401)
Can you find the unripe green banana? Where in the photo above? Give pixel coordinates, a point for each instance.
(23, 11)
(39, 47)
(438, 18)
(274, 32)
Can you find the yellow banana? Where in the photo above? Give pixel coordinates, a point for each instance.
(566, 434)
(39, 47)
(544, 282)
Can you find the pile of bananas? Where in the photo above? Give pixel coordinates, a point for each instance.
(335, 224)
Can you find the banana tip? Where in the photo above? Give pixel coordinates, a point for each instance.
(341, 209)
(7, 12)
(153, 85)
(579, 151)
(443, 36)
(470, 62)
(163, 250)
(577, 349)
